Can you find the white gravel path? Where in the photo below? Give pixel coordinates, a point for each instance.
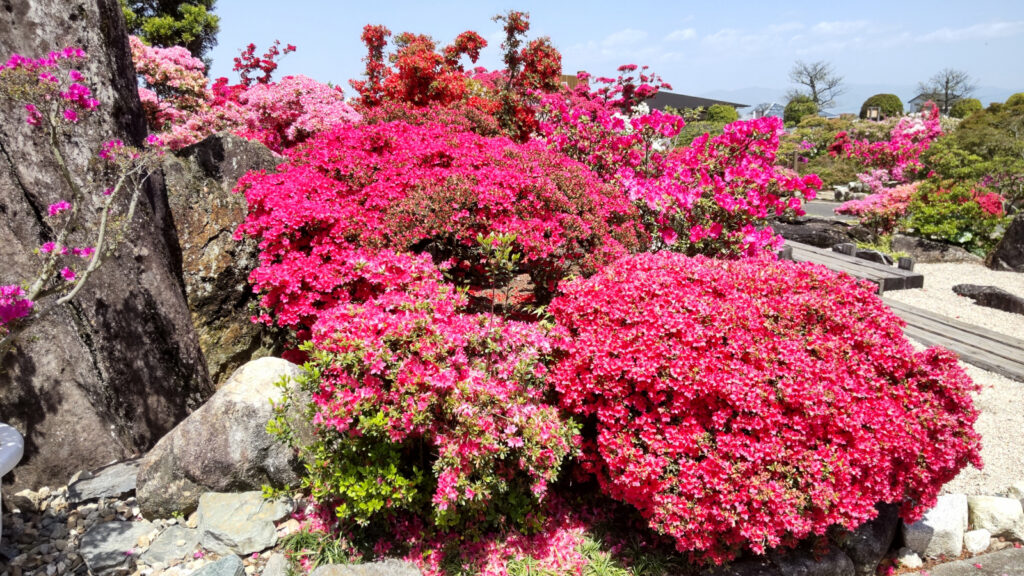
(1000, 400)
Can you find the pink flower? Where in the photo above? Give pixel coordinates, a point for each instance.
(68, 274)
(70, 115)
(58, 207)
(47, 247)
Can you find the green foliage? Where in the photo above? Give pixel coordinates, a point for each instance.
(947, 212)
(889, 105)
(697, 128)
(819, 132)
(964, 108)
(318, 548)
(722, 113)
(1015, 100)
(799, 107)
(165, 23)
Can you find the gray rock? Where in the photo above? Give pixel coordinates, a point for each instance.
(222, 447)
(869, 543)
(991, 297)
(1009, 562)
(200, 179)
(27, 501)
(227, 566)
(112, 547)
(1000, 516)
(802, 562)
(239, 523)
(747, 567)
(173, 544)
(389, 567)
(277, 565)
(1016, 490)
(107, 375)
(977, 541)
(1009, 252)
(930, 252)
(819, 232)
(941, 531)
(874, 256)
(107, 482)
(907, 558)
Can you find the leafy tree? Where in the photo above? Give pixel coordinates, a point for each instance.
(889, 105)
(946, 87)
(964, 108)
(819, 82)
(166, 23)
(799, 106)
(1015, 100)
(722, 113)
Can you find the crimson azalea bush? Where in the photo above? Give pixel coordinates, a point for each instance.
(744, 404)
(426, 188)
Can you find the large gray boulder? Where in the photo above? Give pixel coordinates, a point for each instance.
(389, 567)
(1000, 516)
(239, 523)
(103, 378)
(221, 447)
(1009, 253)
(870, 542)
(819, 232)
(991, 297)
(216, 268)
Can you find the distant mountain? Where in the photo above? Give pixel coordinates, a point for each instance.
(854, 95)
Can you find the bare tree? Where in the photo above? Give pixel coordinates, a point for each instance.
(818, 80)
(946, 87)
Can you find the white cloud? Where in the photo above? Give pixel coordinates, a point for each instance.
(785, 27)
(976, 32)
(840, 28)
(626, 37)
(679, 35)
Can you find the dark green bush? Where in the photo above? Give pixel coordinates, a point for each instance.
(965, 107)
(1015, 100)
(722, 113)
(889, 105)
(798, 108)
(949, 212)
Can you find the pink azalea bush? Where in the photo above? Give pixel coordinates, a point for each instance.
(426, 188)
(883, 210)
(747, 404)
(181, 106)
(899, 156)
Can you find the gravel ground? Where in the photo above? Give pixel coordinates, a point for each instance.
(1000, 400)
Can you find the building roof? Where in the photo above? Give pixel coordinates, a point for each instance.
(683, 102)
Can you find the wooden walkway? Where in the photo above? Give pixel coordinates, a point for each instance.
(983, 348)
(886, 277)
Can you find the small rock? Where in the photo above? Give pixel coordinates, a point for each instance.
(1016, 490)
(991, 297)
(239, 523)
(977, 541)
(386, 568)
(907, 558)
(174, 544)
(110, 546)
(277, 565)
(228, 566)
(1000, 516)
(27, 501)
(941, 531)
(868, 544)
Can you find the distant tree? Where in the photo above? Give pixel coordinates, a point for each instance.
(799, 106)
(722, 113)
(762, 108)
(1015, 100)
(946, 87)
(889, 105)
(965, 107)
(819, 82)
(165, 23)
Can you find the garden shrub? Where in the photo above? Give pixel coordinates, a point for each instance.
(744, 404)
(965, 107)
(889, 106)
(421, 407)
(1015, 99)
(722, 113)
(798, 108)
(426, 188)
(882, 211)
(961, 213)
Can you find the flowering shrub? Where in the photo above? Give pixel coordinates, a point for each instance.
(403, 382)
(961, 213)
(882, 211)
(900, 155)
(51, 95)
(426, 188)
(183, 109)
(749, 403)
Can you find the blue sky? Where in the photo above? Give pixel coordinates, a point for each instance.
(737, 50)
